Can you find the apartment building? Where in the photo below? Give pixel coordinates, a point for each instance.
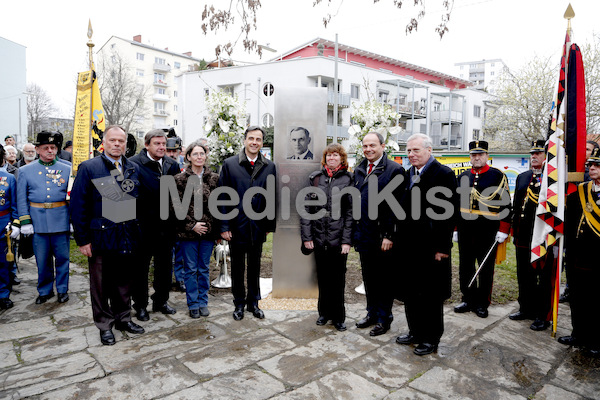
(483, 74)
(13, 91)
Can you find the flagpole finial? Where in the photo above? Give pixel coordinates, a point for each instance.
(90, 44)
(569, 13)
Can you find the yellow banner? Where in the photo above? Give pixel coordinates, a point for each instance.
(97, 113)
(83, 112)
(457, 164)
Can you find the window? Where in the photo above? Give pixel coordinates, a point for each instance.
(161, 91)
(437, 106)
(247, 91)
(206, 92)
(382, 96)
(472, 65)
(492, 73)
(159, 106)
(228, 90)
(139, 72)
(140, 134)
(461, 67)
(175, 122)
(423, 128)
(268, 90)
(112, 46)
(476, 133)
(159, 78)
(177, 65)
(354, 91)
(267, 120)
(493, 64)
(174, 107)
(477, 111)
(402, 99)
(140, 56)
(174, 93)
(158, 60)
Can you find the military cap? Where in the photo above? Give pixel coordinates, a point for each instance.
(173, 143)
(595, 156)
(9, 137)
(68, 143)
(538, 146)
(478, 146)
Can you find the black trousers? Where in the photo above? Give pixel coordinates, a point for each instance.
(161, 248)
(535, 283)
(474, 243)
(585, 302)
(376, 266)
(425, 317)
(110, 289)
(331, 279)
(241, 255)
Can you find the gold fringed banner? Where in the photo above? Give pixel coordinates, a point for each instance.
(501, 252)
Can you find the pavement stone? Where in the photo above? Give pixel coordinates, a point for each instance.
(51, 344)
(550, 392)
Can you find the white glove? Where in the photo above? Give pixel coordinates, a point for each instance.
(455, 236)
(15, 232)
(27, 230)
(71, 230)
(501, 237)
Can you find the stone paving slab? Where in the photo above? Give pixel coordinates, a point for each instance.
(579, 373)
(305, 363)
(550, 392)
(37, 378)
(52, 344)
(242, 385)
(26, 328)
(70, 319)
(144, 381)
(235, 353)
(8, 354)
(408, 394)
(337, 385)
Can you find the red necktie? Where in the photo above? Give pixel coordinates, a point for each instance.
(370, 168)
(252, 163)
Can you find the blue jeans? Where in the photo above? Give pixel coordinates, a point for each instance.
(52, 252)
(196, 260)
(178, 262)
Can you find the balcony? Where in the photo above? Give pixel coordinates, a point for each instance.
(160, 83)
(161, 97)
(161, 67)
(444, 116)
(343, 99)
(161, 113)
(342, 131)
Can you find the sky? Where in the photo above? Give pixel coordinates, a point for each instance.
(516, 31)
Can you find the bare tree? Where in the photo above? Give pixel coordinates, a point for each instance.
(215, 19)
(591, 62)
(39, 107)
(122, 95)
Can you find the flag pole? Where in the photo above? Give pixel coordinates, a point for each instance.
(90, 45)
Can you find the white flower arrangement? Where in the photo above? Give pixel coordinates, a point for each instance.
(372, 116)
(225, 126)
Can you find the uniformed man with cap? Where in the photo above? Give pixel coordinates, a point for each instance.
(485, 214)
(582, 233)
(535, 279)
(173, 151)
(44, 212)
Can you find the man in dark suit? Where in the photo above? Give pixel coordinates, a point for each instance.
(111, 242)
(158, 235)
(535, 279)
(247, 170)
(425, 267)
(484, 222)
(583, 270)
(299, 141)
(374, 234)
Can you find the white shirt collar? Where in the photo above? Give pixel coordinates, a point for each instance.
(160, 160)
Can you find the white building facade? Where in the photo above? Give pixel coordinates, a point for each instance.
(483, 74)
(428, 102)
(155, 69)
(13, 91)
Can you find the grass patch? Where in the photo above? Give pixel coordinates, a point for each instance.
(76, 257)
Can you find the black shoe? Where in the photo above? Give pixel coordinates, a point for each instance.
(425, 348)
(405, 339)
(107, 338)
(322, 321)
(14, 281)
(481, 312)
(195, 314)
(238, 313)
(594, 353)
(539, 325)
(568, 340)
(41, 299)
(179, 286)
(130, 327)
(379, 329)
(63, 297)
(565, 296)
(204, 311)
(142, 314)
(462, 308)
(6, 303)
(340, 326)
(519, 316)
(164, 308)
(366, 322)
(257, 312)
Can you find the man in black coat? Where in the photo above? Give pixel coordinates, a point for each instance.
(247, 233)
(535, 279)
(484, 222)
(111, 242)
(582, 237)
(374, 234)
(426, 244)
(158, 235)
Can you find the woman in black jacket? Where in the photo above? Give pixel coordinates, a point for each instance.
(330, 236)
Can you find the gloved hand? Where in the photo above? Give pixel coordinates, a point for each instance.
(455, 236)
(501, 236)
(15, 232)
(27, 230)
(71, 230)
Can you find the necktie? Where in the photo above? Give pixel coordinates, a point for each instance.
(416, 172)
(370, 168)
(118, 165)
(252, 163)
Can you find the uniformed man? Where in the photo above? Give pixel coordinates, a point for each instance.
(484, 222)
(8, 213)
(535, 279)
(44, 212)
(582, 233)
